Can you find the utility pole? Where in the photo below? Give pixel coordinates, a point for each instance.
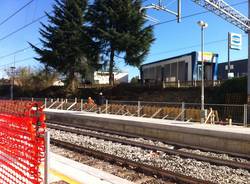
(202, 25)
(228, 54)
(202, 76)
(233, 16)
(12, 79)
(12, 82)
(248, 63)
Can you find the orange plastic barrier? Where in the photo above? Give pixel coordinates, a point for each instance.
(22, 145)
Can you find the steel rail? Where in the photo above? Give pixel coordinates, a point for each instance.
(129, 135)
(210, 159)
(147, 169)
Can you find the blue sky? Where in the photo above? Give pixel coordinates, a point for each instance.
(172, 39)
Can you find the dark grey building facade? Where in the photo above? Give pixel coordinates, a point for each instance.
(238, 67)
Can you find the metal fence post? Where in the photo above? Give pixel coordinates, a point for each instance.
(46, 162)
(81, 104)
(178, 84)
(245, 115)
(45, 103)
(183, 111)
(62, 103)
(138, 108)
(106, 107)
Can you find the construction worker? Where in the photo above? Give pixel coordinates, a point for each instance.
(100, 99)
(90, 101)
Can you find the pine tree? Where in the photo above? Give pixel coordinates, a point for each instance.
(120, 29)
(67, 46)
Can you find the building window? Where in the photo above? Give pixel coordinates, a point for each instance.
(231, 67)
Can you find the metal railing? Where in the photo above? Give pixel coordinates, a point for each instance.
(225, 114)
(194, 83)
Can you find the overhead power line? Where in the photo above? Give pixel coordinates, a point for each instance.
(16, 12)
(18, 51)
(29, 24)
(191, 46)
(164, 22)
(18, 61)
(184, 48)
(194, 14)
(23, 27)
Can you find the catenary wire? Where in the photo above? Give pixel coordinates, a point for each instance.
(194, 14)
(157, 24)
(16, 12)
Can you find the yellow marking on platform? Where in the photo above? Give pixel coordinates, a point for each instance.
(63, 177)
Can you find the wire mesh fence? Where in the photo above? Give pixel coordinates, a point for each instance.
(235, 114)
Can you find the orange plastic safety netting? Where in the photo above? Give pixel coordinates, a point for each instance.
(22, 146)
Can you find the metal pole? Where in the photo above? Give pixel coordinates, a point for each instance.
(81, 104)
(183, 111)
(248, 72)
(245, 115)
(179, 11)
(12, 78)
(11, 90)
(62, 104)
(12, 82)
(47, 150)
(139, 109)
(45, 103)
(202, 76)
(228, 55)
(106, 110)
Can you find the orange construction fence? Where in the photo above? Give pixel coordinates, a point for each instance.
(22, 145)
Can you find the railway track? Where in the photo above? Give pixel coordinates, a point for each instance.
(210, 159)
(174, 144)
(147, 169)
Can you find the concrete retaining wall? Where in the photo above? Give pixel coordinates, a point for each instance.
(219, 140)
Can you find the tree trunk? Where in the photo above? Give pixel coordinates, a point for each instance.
(71, 86)
(111, 66)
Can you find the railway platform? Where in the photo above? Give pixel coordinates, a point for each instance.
(231, 139)
(65, 171)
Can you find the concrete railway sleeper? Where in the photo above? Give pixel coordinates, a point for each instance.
(210, 159)
(129, 135)
(147, 169)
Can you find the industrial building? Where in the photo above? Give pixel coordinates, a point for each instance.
(183, 68)
(238, 68)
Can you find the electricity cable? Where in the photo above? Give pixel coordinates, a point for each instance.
(16, 12)
(164, 22)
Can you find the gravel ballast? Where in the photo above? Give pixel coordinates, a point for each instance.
(189, 167)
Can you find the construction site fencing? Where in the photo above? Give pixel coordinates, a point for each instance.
(22, 130)
(235, 114)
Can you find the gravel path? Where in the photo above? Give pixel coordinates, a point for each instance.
(190, 167)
